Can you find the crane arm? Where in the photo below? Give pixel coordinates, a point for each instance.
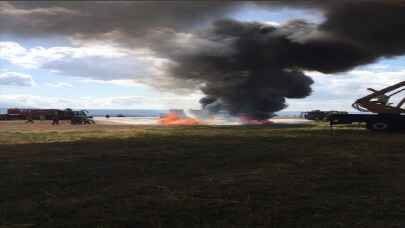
(381, 105)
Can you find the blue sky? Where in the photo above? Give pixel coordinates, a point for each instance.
(54, 72)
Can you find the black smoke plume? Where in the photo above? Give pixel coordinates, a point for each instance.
(265, 64)
(246, 68)
(249, 74)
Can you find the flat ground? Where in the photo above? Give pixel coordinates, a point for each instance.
(201, 176)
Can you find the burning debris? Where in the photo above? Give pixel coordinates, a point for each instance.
(179, 117)
(174, 119)
(247, 120)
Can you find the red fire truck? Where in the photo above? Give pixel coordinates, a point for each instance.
(36, 114)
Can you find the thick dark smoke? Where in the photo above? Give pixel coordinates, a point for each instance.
(249, 75)
(377, 26)
(245, 68)
(265, 64)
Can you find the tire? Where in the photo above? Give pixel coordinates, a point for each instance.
(379, 125)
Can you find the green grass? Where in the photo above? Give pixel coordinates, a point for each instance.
(202, 177)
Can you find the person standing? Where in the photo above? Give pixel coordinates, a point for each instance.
(55, 120)
(29, 118)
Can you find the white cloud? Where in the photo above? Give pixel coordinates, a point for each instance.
(339, 91)
(37, 57)
(122, 82)
(165, 101)
(98, 61)
(272, 23)
(59, 84)
(8, 9)
(355, 82)
(307, 104)
(15, 79)
(378, 67)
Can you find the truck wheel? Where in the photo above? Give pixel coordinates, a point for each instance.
(379, 126)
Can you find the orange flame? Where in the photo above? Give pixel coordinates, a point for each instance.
(250, 121)
(174, 119)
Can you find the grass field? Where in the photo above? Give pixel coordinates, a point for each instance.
(202, 176)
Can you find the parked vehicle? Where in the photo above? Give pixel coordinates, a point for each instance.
(81, 117)
(76, 117)
(319, 115)
(383, 115)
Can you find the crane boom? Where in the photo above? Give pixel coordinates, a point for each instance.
(377, 102)
(384, 117)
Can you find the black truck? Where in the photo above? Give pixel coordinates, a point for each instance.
(374, 122)
(380, 114)
(319, 115)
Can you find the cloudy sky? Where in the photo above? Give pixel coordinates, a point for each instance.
(62, 70)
